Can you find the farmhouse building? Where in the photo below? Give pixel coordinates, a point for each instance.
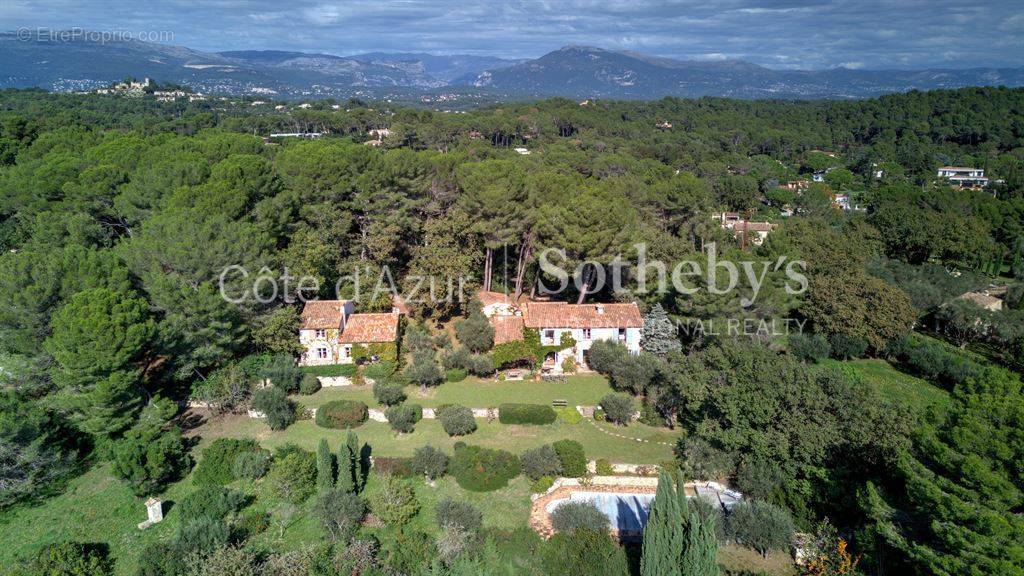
(331, 330)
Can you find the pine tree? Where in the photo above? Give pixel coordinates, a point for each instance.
(663, 535)
(324, 467)
(660, 335)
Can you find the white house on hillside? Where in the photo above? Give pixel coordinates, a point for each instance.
(330, 328)
(586, 324)
(962, 176)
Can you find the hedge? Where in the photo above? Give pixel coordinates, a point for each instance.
(573, 458)
(526, 414)
(455, 374)
(216, 467)
(380, 370)
(341, 414)
(480, 469)
(331, 370)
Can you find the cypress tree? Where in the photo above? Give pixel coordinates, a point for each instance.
(660, 334)
(663, 535)
(699, 556)
(346, 471)
(357, 461)
(324, 467)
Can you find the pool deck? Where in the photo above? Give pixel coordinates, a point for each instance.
(540, 519)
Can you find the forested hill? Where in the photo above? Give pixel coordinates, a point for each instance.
(118, 217)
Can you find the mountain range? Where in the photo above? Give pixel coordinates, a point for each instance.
(572, 71)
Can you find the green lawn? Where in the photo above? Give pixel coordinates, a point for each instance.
(516, 439)
(94, 508)
(480, 393)
(895, 385)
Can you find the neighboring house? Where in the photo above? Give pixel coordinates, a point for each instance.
(984, 299)
(755, 232)
(497, 304)
(523, 151)
(841, 201)
(797, 186)
(586, 324)
(964, 177)
(331, 328)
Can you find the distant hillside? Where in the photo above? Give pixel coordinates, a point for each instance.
(573, 71)
(583, 71)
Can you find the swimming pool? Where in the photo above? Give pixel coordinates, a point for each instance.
(627, 512)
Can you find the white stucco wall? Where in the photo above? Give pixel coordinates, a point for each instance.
(631, 341)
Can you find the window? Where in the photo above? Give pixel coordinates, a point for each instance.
(321, 353)
(586, 333)
(622, 334)
(347, 351)
(321, 333)
(549, 335)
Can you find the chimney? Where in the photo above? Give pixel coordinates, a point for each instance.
(344, 317)
(600, 309)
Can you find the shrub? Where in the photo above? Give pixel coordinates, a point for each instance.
(403, 418)
(430, 462)
(310, 384)
(603, 467)
(846, 347)
(202, 536)
(340, 513)
(459, 514)
(388, 394)
(569, 415)
(218, 460)
(456, 374)
(332, 370)
(599, 415)
(526, 414)
(583, 552)
(282, 372)
(806, 348)
(572, 515)
(251, 465)
(341, 414)
(760, 525)
(394, 503)
(574, 460)
(382, 370)
(457, 420)
(618, 408)
(542, 484)
(475, 331)
(393, 466)
(542, 461)
(480, 364)
(70, 559)
(293, 476)
(275, 405)
(569, 365)
(210, 502)
(483, 469)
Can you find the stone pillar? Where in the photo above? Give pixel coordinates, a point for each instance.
(154, 513)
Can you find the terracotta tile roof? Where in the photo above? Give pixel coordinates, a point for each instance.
(363, 328)
(563, 315)
(507, 328)
(489, 297)
(754, 226)
(322, 314)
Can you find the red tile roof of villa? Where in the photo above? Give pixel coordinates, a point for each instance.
(507, 328)
(364, 328)
(317, 314)
(563, 315)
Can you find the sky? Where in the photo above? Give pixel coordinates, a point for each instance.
(796, 34)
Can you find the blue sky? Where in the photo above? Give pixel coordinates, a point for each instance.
(807, 34)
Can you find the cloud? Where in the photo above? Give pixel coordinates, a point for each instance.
(777, 33)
